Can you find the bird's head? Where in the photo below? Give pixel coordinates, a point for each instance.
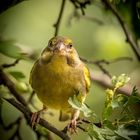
(61, 46)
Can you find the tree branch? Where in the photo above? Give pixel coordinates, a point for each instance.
(10, 65)
(27, 113)
(57, 24)
(6, 81)
(127, 33)
(81, 4)
(99, 63)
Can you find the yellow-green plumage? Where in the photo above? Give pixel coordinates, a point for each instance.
(56, 76)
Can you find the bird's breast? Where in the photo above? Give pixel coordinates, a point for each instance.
(55, 82)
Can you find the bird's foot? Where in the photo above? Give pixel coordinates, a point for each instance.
(72, 126)
(35, 118)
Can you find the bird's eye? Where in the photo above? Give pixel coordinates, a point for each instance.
(52, 42)
(70, 45)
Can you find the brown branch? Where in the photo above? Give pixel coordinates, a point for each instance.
(77, 15)
(103, 61)
(99, 63)
(127, 33)
(105, 81)
(27, 113)
(6, 81)
(10, 65)
(81, 121)
(57, 24)
(124, 58)
(81, 4)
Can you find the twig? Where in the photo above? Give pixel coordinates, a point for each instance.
(103, 70)
(127, 33)
(125, 122)
(27, 113)
(103, 61)
(77, 15)
(10, 85)
(81, 121)
(99, 124)
(10, 65)
(57, 24)
(80, 4)
(99, 63)
(125, 58)
(83, 129)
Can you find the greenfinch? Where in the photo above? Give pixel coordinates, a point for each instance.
(59, 74)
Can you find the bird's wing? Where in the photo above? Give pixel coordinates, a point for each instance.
(81, 96)
(31, 73)
(87, 78)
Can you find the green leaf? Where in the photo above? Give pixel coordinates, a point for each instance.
(101, 133)
(134, 98)
(107, 112)
(9, 49)
(109, 124)
(120, 80)
(73, 101)
(108, 104)
(94, 132)
(110, 134)
(124, 133)
(115, 104)
(17, 74)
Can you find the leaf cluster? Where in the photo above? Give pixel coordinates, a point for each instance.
(118, 120)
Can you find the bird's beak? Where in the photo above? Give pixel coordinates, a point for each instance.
(60, 48)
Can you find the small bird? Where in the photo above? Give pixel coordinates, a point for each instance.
(59, 74)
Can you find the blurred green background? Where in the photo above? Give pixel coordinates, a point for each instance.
(30, 25)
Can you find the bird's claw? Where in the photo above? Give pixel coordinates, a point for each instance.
(35, 119)
(72, 127)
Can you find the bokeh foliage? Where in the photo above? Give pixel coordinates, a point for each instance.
(26, 27)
